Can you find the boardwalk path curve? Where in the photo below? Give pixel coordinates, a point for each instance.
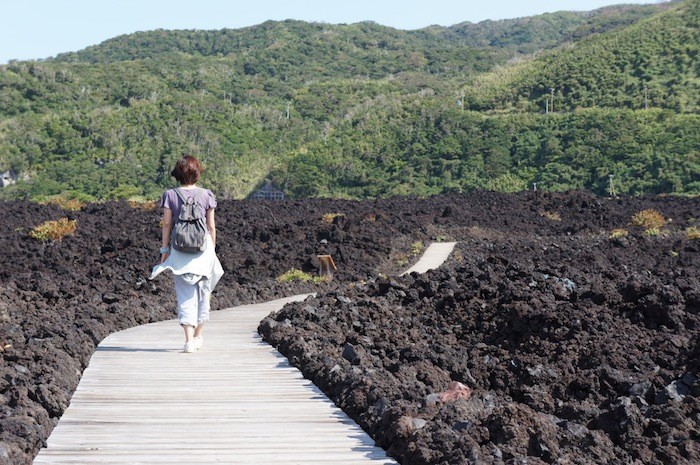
(434, 256)
(236, 401)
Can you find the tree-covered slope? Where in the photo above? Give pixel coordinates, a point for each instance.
(362, 40)
(363, 110)
(410, 146)
(653, 63)
(298, 51)
(531, 34)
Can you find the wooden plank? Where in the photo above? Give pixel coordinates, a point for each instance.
(236, 401)
(434, 256)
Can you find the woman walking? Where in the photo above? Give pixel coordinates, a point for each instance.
(195, 274)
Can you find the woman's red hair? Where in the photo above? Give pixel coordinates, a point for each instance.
(187, 170)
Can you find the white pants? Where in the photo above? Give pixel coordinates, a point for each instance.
(192, 302)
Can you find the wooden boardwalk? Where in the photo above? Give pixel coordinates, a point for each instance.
(235, 401)
(434, 256)
(142, 400)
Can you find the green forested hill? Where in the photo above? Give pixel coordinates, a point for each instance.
(653, 63)
(290, 42)
(532, 34)
(365, 110)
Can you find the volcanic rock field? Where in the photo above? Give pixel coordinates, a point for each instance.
(560, 330)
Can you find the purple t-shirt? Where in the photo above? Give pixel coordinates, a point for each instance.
(172, 201)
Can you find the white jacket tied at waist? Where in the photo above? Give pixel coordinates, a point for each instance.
(205, 264)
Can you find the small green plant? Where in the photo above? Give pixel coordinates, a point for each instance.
(440, 239)
(54, 230)
(692, 233)
(329, 217)
(648, 219)
(416, 248)
(552, 216)
(64, 203)
(142, 204)
(619, 232)
(652, 232)
(295, 275)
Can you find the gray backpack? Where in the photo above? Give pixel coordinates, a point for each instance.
(189, 233)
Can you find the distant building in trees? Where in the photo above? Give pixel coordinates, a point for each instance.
(8, 178)
(267, 192)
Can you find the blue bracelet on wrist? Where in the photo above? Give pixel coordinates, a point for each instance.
(164, 250)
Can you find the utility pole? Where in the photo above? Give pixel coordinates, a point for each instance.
(288, 106)
(460, 100)
(646, 97)
(551, 89)
(611, 188)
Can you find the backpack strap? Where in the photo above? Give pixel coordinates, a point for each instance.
(181, 195)
(196, 195)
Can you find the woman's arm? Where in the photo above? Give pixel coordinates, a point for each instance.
(165, 234)
(211, 224)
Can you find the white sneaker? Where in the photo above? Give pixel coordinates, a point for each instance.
(198, 342)
(189, 347)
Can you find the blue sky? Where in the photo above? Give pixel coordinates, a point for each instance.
(35, 29)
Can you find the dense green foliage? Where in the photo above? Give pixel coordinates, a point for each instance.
(408, 148)
(364, 110)
(275, 48)
(653, 63)
(529, 35)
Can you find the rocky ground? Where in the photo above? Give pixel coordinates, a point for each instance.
(570, 346)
